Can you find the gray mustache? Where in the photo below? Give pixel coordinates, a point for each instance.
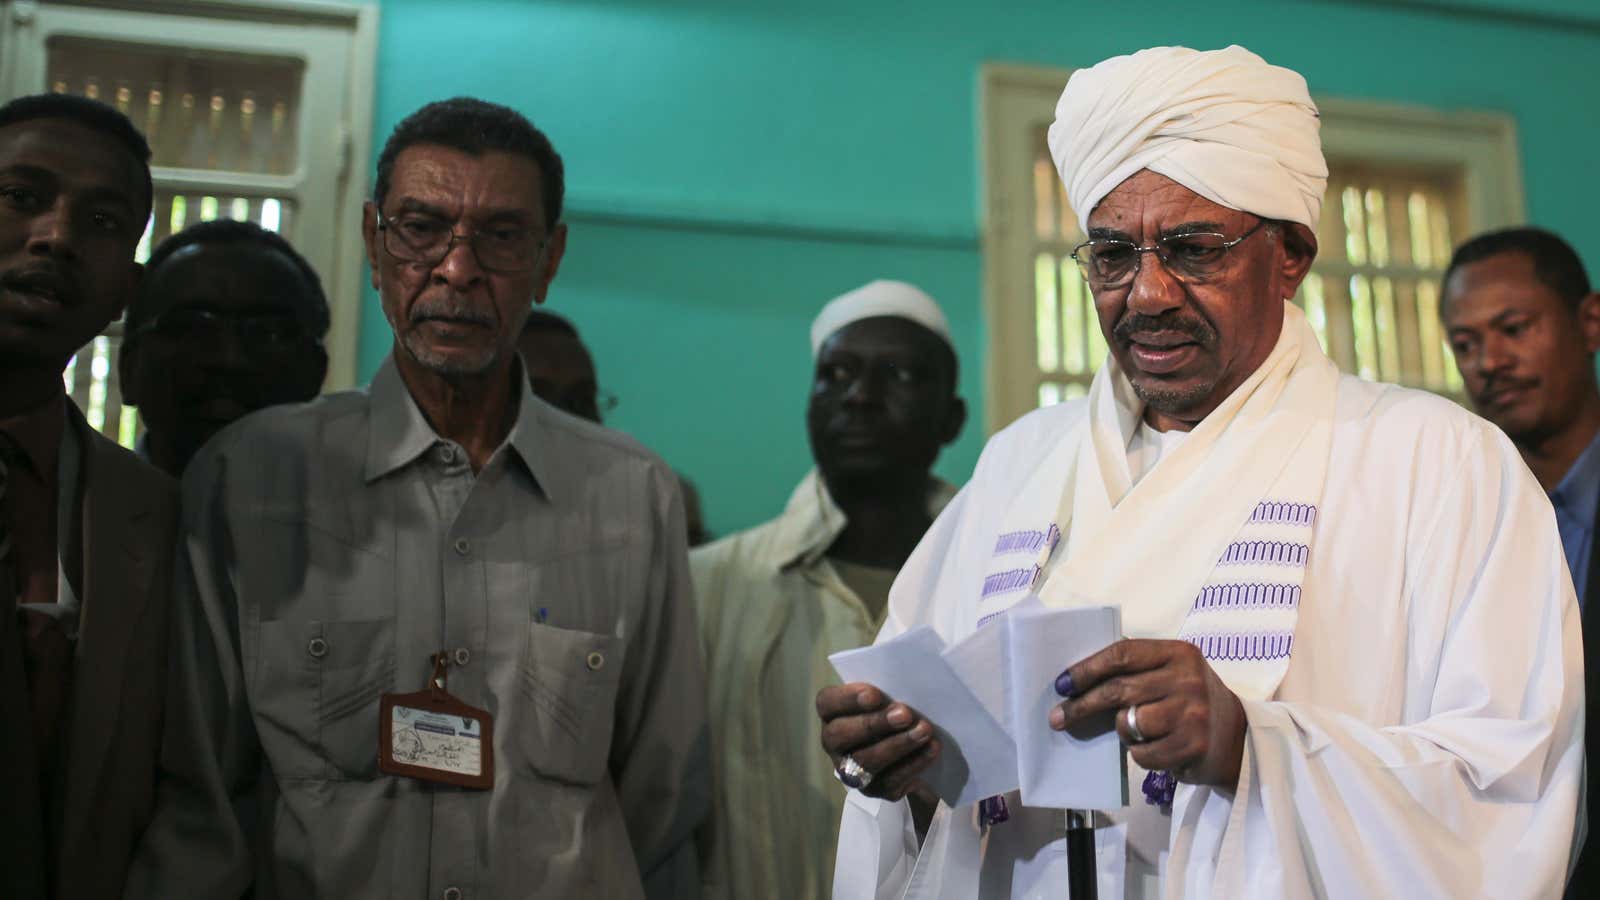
(455, 310)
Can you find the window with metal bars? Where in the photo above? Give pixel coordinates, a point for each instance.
(198, 113)
(254, 110)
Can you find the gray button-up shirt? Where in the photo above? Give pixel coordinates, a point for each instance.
(327, 551)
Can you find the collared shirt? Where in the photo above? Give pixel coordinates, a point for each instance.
(328, 550)
(1576, 499)
(32, 498)
(772, 608)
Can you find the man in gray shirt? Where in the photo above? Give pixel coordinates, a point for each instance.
(331, 550)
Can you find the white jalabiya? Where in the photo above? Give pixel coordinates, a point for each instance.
(1424, 739)
(1223, 123)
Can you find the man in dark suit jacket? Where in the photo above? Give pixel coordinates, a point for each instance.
(86, 530)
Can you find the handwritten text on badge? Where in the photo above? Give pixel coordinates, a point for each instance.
(437, 741)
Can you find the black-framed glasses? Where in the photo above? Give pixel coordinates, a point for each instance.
(1194, 256)
(259, 332)
(427, 240)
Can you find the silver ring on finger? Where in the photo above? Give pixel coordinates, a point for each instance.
(1131, 719)
(852, 774)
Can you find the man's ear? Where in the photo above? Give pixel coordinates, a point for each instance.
(1299, 252)
(128, 383)
(955, 419)
(370, 238)
(1589, 321)
(130, 289)
(554, 252)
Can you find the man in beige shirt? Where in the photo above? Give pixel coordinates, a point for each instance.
(329, 550)
(775, 600)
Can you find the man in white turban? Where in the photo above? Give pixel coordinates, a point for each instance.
(1351, 665)
(776, 599)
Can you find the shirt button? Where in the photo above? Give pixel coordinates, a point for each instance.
(317, 647)
(447, 454)
(452, 893)
(463, 546)
(462, 656)
(596, 660)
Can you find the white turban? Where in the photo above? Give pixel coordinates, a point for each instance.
(1222, 123)
(879, 298)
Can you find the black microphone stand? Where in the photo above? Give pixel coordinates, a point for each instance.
(1082, 875)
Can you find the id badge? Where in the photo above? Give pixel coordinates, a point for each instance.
(432, 736)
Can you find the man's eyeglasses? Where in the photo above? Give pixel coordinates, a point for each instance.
(257, 332)
(1190, 257)
(427, 240)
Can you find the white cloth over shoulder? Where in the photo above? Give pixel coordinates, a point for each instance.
(879, 298)
(1223, 123)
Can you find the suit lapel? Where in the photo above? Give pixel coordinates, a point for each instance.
(114, 589)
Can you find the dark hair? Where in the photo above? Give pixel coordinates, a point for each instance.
(543, 321)
(1554, 261)
(91, 114)
(476, 127)
(230, 231)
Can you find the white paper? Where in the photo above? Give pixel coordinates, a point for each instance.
(1080, 769)
(977, 759)
(989, 698)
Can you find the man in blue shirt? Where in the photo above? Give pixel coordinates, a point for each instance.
(1524, 325)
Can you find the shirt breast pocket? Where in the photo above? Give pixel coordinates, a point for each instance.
(317, 695)
(567, 682)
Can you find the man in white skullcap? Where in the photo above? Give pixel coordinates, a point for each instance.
(775, 600)
(1352, 664)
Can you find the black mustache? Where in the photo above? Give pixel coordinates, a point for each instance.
(1139, 323)
(1505, 382)
(46, 275)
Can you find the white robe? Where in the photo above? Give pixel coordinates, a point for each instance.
(1426, 740)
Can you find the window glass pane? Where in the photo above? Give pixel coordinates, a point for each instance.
(1388, 329)
(1355, 238)
(1315, 304)
(1044, 194)
(1046, 327)
(1377, 228)
(1097, 339)
(1073, 345)
(1430, 336)
(1361, 324)
(1049, 394)
(1075, 390)
(1421, 243)
(199, 110)
(1439, 218)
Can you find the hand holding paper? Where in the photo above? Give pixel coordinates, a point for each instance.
(988, 699)
(1189, 722)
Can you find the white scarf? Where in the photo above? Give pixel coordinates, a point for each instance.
(1211, 546)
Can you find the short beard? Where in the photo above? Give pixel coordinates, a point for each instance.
(1174, 401)
(448, 367)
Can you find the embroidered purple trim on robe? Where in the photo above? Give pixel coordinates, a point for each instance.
(1247, 596)
(1029, 541)
(1274, 512)
(1236, 647)
(1008, 581)
(1270, 553)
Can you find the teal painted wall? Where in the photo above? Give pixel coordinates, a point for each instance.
(733, 165)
